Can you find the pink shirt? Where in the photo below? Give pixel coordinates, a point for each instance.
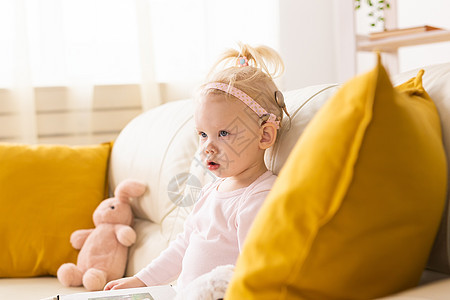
(213, 234)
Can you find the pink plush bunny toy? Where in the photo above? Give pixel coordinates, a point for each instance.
(104, 249)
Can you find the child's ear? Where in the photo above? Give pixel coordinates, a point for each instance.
(268, 135)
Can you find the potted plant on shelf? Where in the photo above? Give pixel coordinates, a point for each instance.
(376, 11)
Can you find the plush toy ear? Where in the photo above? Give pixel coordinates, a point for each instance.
(129, 188)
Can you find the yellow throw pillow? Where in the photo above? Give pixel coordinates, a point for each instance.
(355, 209)
(46, 193)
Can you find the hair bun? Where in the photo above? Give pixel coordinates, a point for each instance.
(262, 57)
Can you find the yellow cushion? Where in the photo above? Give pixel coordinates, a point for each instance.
(46, 193)
(355, 209)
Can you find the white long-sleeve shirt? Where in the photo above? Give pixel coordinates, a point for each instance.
(213, 234)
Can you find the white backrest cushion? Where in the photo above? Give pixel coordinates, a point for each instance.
(436, 82)
(155, 147)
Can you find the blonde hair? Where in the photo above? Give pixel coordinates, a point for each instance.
(256, 79)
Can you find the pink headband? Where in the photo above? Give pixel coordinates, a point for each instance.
(258, 109)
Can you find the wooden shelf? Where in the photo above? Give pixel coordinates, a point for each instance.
(391, 44)
(349, 44)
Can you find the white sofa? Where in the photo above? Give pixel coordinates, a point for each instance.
(159, 147)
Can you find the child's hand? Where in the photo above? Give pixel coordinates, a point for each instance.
(124, 283)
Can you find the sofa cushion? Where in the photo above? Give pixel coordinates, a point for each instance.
(46, 193)
(356, 207)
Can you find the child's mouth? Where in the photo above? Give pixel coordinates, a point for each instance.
(212, 165)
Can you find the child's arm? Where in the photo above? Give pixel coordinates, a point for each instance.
(167, 266)
(162, 270)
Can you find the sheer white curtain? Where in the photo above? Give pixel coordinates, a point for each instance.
(81, 44)
(16, 67)
(75, 44)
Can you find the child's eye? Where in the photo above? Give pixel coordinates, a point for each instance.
(223, 133)
(202, 135)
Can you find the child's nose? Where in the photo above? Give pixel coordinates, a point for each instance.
(210, 148)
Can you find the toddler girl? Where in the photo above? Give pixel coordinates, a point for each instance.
(237, 116)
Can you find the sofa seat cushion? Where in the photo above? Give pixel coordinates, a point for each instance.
(438, 290)
(34, 288)
(365, 182)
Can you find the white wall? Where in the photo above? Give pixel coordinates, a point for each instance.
(189, 37)
(307, 42)
(421, 12)
(301, 30)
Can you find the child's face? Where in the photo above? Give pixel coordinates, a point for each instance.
(229, 136)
